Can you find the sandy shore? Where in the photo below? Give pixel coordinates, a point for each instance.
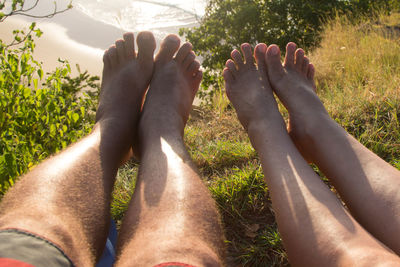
(71, 35)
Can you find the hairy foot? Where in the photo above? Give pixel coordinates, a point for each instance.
(248, 89)
(172, 89)
(126, 77)
(293, 82)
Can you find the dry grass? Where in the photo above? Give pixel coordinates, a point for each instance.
(360, 63)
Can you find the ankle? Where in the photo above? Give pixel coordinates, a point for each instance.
(150, 135)
(268, 129)
(161, 141)
(307, 133)
(115, 135)
(315, 124)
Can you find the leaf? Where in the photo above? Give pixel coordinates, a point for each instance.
(64, 72)
(40, 73)
(35, 83)
(69, 114)
(52, 130)
(27, 92)
(75, 117)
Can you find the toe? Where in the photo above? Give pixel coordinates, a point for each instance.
(107, 66)
(185, 49)
(304, 69)
(197, 79)
(274, 65)
(299, 59)
(106, 58)
(259, 53)
(247, 53)
(188, 60)
(228, 76)
(120, 45)
(146, 46)
(231, 67)
(194, 67)
(168, 48)
(129, 39)
(237, 57)
(289, 57)
(310, 75)
(113, 56)
(311, 72)
(229, 79)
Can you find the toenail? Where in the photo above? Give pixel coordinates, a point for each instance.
(274, 50)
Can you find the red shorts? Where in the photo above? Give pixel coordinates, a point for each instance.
(173, 264)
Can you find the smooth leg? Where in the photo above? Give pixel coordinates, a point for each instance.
(368, 185)
(316, 229)
(66, 199)
(171, 217)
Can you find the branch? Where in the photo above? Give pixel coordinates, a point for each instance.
(22, 12)
(15, 42)
(39, 16)
(32, 7)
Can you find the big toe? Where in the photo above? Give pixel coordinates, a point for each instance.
(169, 46)
(274, 65)
(289, 57)
(146, 46)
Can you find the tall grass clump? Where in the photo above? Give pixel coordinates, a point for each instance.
(358, 77)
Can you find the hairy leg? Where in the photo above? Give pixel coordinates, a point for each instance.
(66, 199)
(171, 217)
(368, 185)
(316, 229)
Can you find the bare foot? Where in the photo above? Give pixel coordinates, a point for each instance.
(126, 76)
(294, 84)
(247, 87)
(172, 89)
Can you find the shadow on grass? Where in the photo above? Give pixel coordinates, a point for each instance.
(251, 232)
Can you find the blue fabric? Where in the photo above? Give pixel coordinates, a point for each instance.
(108, 257)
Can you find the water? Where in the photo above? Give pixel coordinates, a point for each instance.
(157, 16)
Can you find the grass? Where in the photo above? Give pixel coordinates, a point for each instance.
(358, 77)
(359, 80)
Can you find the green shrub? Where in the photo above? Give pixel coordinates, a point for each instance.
(229, 23)
(39, 115)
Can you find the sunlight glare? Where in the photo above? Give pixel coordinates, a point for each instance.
(175, 166)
